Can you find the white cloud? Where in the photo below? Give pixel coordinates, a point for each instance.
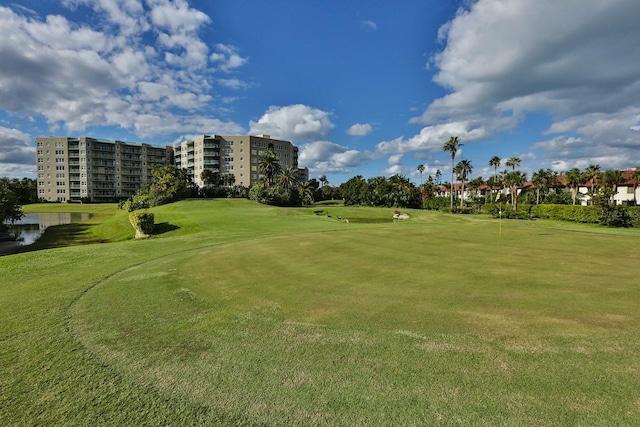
(394, 170)
(294, 122)
(77, 75)
(227, 57)
(359, 129)
(370, 25)
(576, 60)
(328, 157)
(432, 138)
(395, 159)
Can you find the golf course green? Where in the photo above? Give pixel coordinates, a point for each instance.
(235, 313)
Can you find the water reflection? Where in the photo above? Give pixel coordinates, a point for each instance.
(29, 229)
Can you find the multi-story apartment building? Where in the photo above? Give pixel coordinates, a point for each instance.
(237, 155)
(72, 169)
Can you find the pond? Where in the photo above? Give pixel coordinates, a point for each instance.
(29, 229)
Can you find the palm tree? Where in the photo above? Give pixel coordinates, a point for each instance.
(305, 190)
(514, 180)
(475, 184)
(592, 173)
(635, 181)
(572, 179)
(463, 169)
(287, 177)
(539, 179)
(228, 179)
(452, 146)
(438, 176)
(421, 170)
(513, 162)
(268, 165)
(611, 179)
(495, 162)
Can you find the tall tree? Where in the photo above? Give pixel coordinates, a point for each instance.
(452, 146)
(539, 179)
(495, 163)
(421, 170)
(513, 162)
(463, 169)
(572, 179)
(591, 174)
(438, 176)
(269, 165)
(514, 180)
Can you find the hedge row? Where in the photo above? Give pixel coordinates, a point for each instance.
(575, 213)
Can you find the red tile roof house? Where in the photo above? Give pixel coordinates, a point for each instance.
(628, 191)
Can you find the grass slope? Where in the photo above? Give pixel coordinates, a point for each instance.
(244, 314)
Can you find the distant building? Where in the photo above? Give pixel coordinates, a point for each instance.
(72, 169)
(237, 155)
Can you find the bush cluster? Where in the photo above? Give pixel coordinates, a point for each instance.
(142, 220)
(275, 195)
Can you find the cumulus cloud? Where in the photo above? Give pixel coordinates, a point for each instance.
(293, 122)
(573, 59)
(138, 62)
(16, 147)
(329, 157)
(432, 138)
(227, 57)
(359, 129)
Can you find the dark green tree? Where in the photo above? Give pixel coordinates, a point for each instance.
(269, 165)
(10, 206)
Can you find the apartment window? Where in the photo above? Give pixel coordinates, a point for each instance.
(59, 160)
(228, 151)
(41, 183)
(59, 152)
(60, 183)
(60, 175)
(60, 167)
(39, 144)
(228, 159)
(40, 153)
(40, 160)
(41, 191)
(228, 167)
(40, 168)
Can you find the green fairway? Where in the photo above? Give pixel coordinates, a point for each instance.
(243, 314)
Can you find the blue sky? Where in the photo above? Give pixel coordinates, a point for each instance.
(362, 87)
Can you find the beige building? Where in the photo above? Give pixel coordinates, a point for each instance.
(237, 155)
(72, 169)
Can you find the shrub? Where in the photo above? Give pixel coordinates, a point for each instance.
(142, 220)
(436, 203)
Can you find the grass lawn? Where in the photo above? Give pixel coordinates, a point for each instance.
(242, 314)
